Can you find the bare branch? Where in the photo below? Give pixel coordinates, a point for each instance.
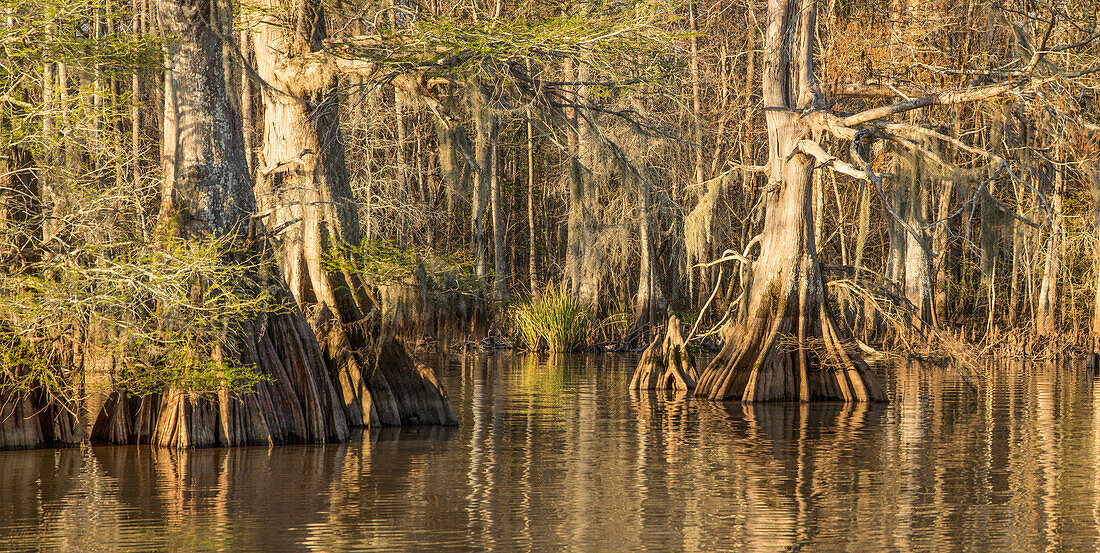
(871, 88)
(823, 158)
(943, 98)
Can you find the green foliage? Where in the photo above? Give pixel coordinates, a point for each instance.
(89, 298)
(152, 314)
(62, 31)
(381, 263)
(615, 325)
(554, 320)
(625, 42)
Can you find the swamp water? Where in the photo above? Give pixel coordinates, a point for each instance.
(557, 455)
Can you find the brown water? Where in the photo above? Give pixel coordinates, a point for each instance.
(558, 456)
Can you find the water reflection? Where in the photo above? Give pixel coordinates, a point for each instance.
(555, 454)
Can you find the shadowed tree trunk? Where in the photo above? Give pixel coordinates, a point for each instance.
(786, 346)
(650, 299)
(582, 258)
(486, 129)
(20, 207)
(488, 157)
(307, 203)
(991, 227)
(1046, 315)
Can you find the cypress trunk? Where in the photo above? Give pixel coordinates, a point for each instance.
(306, 199)
(207, 193)
(786, 345)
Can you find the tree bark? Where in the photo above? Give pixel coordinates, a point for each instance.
(246, 102)
(944, 248)
(207, 193)
(307, 202)
(896, 255)
(786, 345)
(532, 259)
(666, 364)
(918, 248)
(649, 296)
(989, 240)
(486, 127)
(865, 317)
(500, 260)
(135, 100)
(582, 259)
(696, 95)
(1094, 182)
(1046, 316)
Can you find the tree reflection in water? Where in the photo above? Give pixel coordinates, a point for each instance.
(556, 454)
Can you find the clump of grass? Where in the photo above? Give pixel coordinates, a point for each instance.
(554, 320)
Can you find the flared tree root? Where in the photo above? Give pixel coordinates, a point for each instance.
(31, 420)
(666, 364)
(297, 402)
(407, 392)
(379, 383)
(792, 358)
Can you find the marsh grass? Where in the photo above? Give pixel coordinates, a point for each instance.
(554, 320)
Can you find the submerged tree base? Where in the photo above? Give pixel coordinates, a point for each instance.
(666, 364)
(380, 384)
(295, 402)
(299, 403)
(414, 394)
(29, 421)
(791, 358)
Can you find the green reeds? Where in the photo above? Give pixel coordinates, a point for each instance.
(554, 320)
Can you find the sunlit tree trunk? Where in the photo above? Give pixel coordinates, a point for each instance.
(532, 259)
(787, 346)
(943, 249)
(697, 136)
(1094, 180)
(137, 28)
(247, 120)
(306, 201)
(696, 96)
(918, 248)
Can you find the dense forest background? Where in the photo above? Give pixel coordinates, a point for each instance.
(467, 168)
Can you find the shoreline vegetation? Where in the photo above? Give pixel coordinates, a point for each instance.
(246, 227)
